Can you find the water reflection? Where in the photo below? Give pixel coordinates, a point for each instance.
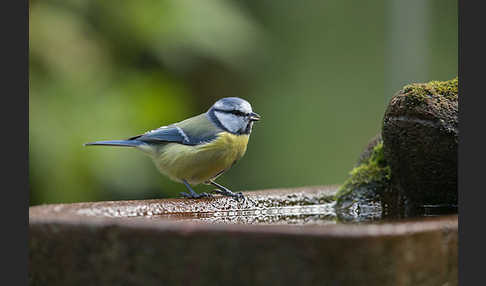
(320, 214)
(306, 206)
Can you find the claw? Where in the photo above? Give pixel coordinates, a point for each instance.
(239, 195)
(206, 195)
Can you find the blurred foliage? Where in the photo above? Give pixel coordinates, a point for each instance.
(114, 69)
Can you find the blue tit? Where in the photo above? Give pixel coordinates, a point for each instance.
(201, 148)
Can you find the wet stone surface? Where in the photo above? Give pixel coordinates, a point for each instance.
(276, 237)
(320, 214)
(256, 202)
(300, 206)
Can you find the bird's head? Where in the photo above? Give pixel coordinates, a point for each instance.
(234, 115)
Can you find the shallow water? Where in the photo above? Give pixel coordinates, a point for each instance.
(319, 214)
(305, 206)
(309, 214)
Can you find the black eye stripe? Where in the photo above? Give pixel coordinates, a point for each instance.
(235, 112)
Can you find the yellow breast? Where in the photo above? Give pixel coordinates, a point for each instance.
(198, 164)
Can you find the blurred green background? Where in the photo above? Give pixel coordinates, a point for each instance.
(319, 72)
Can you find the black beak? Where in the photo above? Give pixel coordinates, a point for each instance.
(254, 116)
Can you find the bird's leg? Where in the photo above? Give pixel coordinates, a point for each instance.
(192, 194)
(226, 192)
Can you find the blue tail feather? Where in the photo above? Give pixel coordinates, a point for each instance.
(121, 143)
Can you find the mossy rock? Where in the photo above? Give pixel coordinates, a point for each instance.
(413, 163)
(420, 136)
(360, 197)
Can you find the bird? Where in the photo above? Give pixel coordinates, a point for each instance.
(198, 149)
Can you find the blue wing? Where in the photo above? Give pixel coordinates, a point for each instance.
(193, 131)
(166, 134)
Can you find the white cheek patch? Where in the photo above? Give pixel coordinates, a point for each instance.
(230, 121)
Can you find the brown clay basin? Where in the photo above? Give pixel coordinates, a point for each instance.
(274, 237)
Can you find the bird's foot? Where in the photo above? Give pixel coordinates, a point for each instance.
(226, 192)
(192, 194)
(195, 195)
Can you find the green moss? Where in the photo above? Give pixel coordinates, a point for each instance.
(373, 170)
(418, 92)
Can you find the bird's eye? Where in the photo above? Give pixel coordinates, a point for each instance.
(237, 112)
(234, 111)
